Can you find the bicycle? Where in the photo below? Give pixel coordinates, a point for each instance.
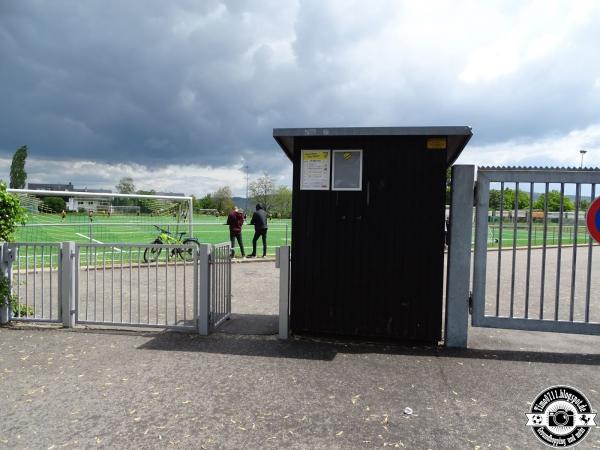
(151, 254)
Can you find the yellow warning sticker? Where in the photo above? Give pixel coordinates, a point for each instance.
(315, 156)
(436, 143)
(347, 155)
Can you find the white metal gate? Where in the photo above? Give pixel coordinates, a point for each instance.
(120, 284)
(540, 272)
(177, 286)
(220, 284)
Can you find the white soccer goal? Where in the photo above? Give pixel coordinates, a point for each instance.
(100, 203)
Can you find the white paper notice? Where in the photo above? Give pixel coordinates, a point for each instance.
(315, 170)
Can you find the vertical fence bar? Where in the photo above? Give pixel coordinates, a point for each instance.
(195, 292)
(229, 282)
(139, 291)
(544, 251)
(130, 285)
(42, 280)
(589, 265)
(17, 257)
(68, 275)
(559, 250)
(51, 249)
(34, 275)
(121, 284)
(500, 233)
(481, 250)
(185, 288)
(574, 266)
(514, 251)
(529, 226)
(167, 287)
(204, 289)
(156, 289)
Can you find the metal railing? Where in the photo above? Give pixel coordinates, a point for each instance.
(35, 281)
(115, 286)
(220, 291)
(541, 286)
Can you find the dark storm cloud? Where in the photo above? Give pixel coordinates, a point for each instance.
(155, 82)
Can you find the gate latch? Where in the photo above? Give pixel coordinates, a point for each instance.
(470, 300)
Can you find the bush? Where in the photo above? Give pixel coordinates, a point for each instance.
(56, 204)
(11, 213)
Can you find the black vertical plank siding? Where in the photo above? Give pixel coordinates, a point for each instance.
(370, 263)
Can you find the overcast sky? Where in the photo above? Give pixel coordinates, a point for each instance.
(176, 93)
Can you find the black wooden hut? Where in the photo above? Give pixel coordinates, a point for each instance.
(368, 229)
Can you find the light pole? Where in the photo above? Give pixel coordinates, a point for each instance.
(246, 208)
(583, 152)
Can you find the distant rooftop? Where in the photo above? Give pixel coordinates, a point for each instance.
(64, 187)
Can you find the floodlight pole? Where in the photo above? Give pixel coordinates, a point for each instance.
(246, 208)
(583, 152)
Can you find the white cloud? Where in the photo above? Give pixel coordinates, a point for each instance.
(557, 150)
(186, 179)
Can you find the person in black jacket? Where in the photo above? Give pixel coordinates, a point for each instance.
(259, 220)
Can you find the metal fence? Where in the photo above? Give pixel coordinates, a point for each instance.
(547, 284)
(103, 230)
(220, 285)
(36, 281)
(115, 286)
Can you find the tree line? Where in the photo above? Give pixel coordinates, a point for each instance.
(276, 200)
(507, 201)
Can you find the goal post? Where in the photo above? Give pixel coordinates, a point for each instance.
(109, 196)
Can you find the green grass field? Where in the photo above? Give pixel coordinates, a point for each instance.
(141, 230)
(537, 235)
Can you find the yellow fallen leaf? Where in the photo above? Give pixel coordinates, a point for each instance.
(339, 433)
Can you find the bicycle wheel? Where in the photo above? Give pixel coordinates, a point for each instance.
(188, 254)
(151, 254)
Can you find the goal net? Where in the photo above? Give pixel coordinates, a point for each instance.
(57, 216)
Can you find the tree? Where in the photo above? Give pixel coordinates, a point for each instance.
(508, 200)
(125, 186)
(18, 176)
(222, 199)
(56, 204)
(147, 205)
(584, 205)
(261, 191)
(282, 202)
(554, 202)
(206, 202)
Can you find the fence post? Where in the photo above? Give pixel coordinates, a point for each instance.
(459, 257)
(283, 262)
(204, 289)
(67, 283)
(6, 259)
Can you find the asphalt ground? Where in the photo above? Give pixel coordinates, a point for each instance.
(121, 389)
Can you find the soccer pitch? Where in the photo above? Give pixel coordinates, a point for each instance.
(552, 236)
(141, 229)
